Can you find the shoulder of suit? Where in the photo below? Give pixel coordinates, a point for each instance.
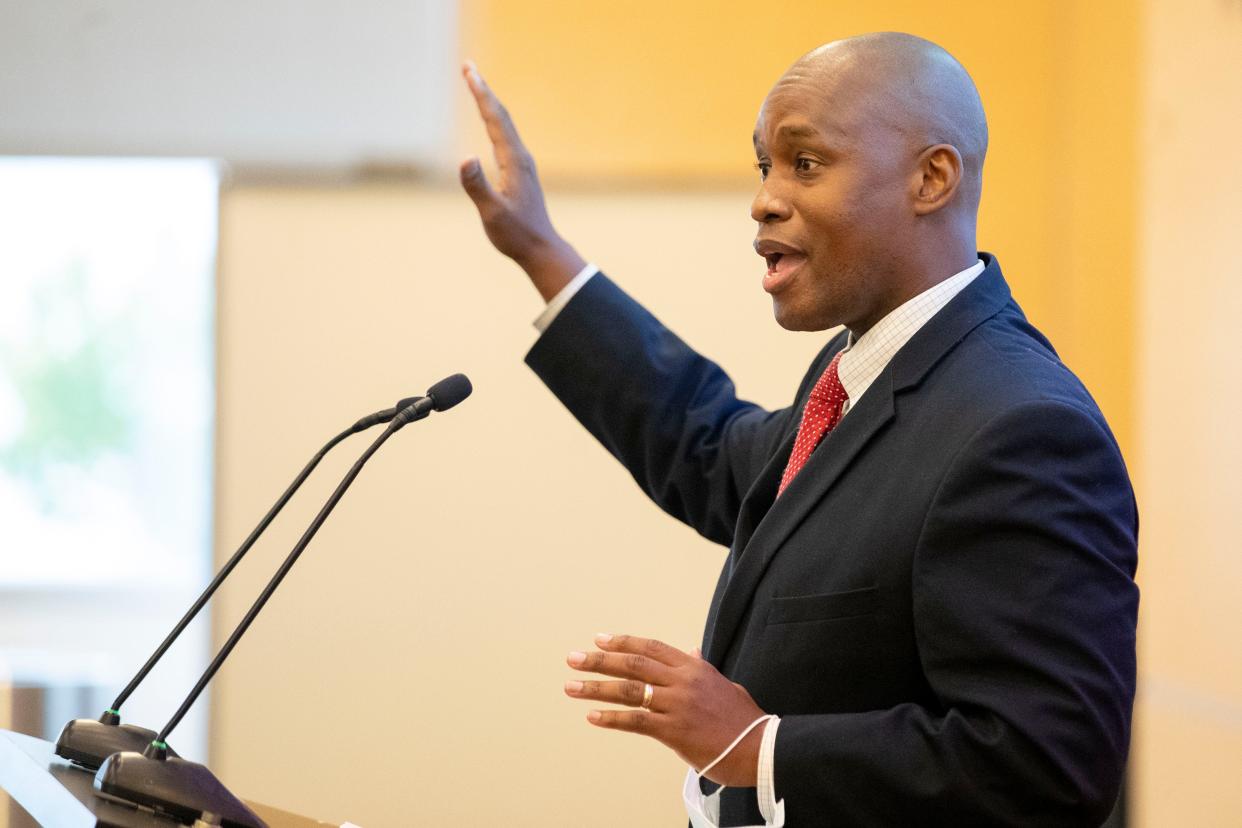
(1007, 362)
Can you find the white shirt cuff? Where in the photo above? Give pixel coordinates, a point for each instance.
(561, 299)
(766, 787)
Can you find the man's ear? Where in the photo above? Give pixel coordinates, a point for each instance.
(937, 177)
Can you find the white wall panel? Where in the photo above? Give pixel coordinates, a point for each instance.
(278, 83)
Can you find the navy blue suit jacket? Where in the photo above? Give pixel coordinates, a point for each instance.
(941, 607)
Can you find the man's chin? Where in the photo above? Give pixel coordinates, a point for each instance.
(791, 317)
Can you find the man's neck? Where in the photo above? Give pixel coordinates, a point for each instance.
(921, 281)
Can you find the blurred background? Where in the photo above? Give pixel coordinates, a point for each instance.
(228, 230)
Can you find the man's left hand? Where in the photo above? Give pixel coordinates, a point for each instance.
(693, 709)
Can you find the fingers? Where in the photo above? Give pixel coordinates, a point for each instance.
(649, 647)
(632, 721)
(475, 183)
(621, 665)
(614, 692)
(500, 129)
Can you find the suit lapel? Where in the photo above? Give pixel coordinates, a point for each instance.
(754, 508)
(758, 501)
(761, 535)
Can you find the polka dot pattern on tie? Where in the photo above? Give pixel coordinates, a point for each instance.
(821, 415)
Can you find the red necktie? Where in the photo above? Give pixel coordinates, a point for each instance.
(821, 415)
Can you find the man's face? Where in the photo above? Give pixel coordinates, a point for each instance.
(833, 208)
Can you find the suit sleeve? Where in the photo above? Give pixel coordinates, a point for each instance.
(1025, 611)
(669, 415)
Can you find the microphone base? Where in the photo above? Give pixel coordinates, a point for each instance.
(86, 743)
(183, 790)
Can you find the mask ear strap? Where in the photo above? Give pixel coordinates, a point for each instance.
(734, 744)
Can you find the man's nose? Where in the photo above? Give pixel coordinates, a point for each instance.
(768, 206)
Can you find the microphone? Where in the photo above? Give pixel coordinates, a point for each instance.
(87, 742)
(442, 396)
(157, 778)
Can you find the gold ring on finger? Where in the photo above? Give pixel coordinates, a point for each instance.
(648, 694)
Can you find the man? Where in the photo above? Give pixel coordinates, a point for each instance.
(929, 593)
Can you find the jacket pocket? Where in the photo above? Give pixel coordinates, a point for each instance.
(822, 607)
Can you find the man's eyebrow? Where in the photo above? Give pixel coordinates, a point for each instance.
(798, 131)
(792, 131)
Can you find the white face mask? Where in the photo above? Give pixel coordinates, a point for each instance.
(704, 810)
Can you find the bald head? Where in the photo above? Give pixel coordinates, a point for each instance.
(909, 85)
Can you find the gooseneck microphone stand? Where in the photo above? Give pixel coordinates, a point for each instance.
(155, 778)
(160, 742)
(87, 742)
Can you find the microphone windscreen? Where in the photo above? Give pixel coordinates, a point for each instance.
(449, 391)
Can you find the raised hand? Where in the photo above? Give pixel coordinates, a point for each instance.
(513, 211)
(691, 707)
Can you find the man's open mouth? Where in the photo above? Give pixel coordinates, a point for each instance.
(781, 263)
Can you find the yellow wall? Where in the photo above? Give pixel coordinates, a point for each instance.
(1188, 736)
(667, 94)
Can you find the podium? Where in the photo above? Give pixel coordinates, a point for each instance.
(57, 794)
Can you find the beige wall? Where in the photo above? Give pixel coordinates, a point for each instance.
(409, 670)
(1188, 736)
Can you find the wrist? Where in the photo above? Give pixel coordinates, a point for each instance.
(740, 769)
(551, 265)
(747, 769)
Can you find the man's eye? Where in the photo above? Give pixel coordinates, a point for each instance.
(805, 164)
(763, 167)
